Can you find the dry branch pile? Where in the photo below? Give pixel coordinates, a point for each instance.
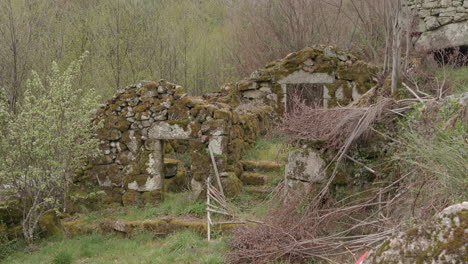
(326, 229)
(335, 126)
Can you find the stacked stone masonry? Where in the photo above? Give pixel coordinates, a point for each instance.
(142, 123)
(442, 23)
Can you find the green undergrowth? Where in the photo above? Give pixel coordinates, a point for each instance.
(275, 177)
(458, 78)
(437, 150)
(182, 247)
(174, 204)
(251, 207)
(268, 148)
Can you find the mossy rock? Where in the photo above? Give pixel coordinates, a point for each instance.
(109, 134)
(192, 101)
(112, 197)
(178, 112)
(116, 122)
(202, 112)
(140, 179)
(79, 227)
(157, 107)
(442, 240)
(50, 223)
(140, 108)
(223, 114)
(108, 174)
(213, 125)
(132, 198)
(236, 131)
(235, 148)
(252, 178)
(201, 165)
(232, 186)
(140, 164)
(152, 198)
(167, 226)
(259, 192)
(245, 85)
(261, 165)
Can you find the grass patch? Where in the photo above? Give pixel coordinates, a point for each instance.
(174, 204)
(182, 247)
(458, 77)
(250, 207)
(437, 151)
(63, 257)
(272, 148)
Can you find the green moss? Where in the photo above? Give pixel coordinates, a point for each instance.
(232, 186)
(201, 163)
(359, 72)
(384, 247)
(252, 178)
(152, 198)
(235, 148)
(178, 183)
(131, 198)
(184, 124)
(79, 227)
(50, 223)
(178, 111)
(109, 134)
(140, 108)
(223, 114)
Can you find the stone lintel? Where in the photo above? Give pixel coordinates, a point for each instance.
(165, 130)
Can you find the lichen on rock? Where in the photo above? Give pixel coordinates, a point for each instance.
(444, 240)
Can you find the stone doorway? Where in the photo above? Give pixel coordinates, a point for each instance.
(310, 86)
(309, 93)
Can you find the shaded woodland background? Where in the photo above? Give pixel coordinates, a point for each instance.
(197, 44)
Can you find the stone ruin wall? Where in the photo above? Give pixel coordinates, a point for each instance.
(441, 23)
(145, 126)
(143, 123)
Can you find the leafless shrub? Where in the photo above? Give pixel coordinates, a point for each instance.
(431, 75)
(332, 229)
(336, 126)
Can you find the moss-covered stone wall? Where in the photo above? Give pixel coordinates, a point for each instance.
(151, 118)
(135, 118)
(344, 76)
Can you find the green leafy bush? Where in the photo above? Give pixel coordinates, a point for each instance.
(45, 140)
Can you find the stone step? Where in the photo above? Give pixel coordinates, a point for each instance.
(261, 165)
(259, 192)
(253, 178)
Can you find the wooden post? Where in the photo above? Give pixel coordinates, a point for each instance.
(218, 179)
(208, 212)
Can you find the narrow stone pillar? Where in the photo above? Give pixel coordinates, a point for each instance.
(156, 163)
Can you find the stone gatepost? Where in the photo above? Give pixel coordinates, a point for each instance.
(156, 134)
